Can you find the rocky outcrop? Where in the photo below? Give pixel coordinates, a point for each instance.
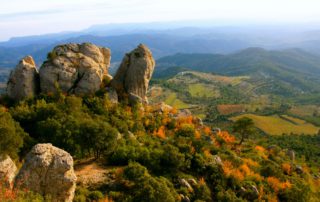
(23, 80)
(48, 171)
(7, 170)
(75, 68)
(291, 154)
(132, 78)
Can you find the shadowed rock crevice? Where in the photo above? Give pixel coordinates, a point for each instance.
(66, 62)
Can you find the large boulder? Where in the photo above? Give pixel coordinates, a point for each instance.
(75, 68)
(48, 171)
(7, 170)
(23, 80)
(132, 78)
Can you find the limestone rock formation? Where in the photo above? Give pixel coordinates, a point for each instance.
(7, 170)
(132, 78)
(48, 170)
(23, 80)
(75, 68)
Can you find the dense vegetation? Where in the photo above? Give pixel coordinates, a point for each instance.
(158, 155)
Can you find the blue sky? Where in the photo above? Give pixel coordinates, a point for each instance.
(32, 17)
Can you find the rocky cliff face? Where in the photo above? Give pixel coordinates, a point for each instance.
(48, 170)
(23, 80)
(7, 170)
(75, 68)
(133, 76)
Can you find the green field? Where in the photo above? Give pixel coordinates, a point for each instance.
(277, 125)
(201, 90)
(172, 100)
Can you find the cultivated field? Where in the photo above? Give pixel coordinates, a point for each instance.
(172, 100)
(230, 109)
(201, 90)
(277, 125)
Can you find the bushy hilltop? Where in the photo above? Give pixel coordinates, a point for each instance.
(149, 152)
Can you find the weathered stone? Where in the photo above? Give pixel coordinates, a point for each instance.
(23, 81)
(183, 113)
(217, 160)
(132, 78)
(75, 68)
(299, 169)
(161, 107)
(7, 170)
(184, 183)
(48, 171)
(291, 154)
(198, 121)
(112, 95)
(192, 181)
(184, 198)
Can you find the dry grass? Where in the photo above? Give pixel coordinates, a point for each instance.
(90, 172)
(275, 125)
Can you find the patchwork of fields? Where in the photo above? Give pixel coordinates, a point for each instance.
(280, 124)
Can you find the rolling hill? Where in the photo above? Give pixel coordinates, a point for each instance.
(288, 72)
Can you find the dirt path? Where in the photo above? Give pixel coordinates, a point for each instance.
(90, 173)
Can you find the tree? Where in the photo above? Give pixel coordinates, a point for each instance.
(244, 127)
(97, 135)
(11, 135)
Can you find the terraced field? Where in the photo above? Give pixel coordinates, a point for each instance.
(277, 125)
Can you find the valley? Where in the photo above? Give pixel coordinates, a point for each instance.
(190, 82)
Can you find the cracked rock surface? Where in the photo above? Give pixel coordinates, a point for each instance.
(75, 68)
(48, 171)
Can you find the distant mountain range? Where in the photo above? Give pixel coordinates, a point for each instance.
(164, 39)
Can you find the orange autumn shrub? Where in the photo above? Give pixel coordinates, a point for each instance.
(274, 183)
(250, 162)
(277, 185)
(240, 173)
(202, 181)
(207, 130)
(229, 139)
(260, 148)
(272, 198)
(197, 135)
(237, 174)
(245, 169)
(227, 168)
(261, 151)
(207, 153)
(160, 133)
(106, 199)
(286, 167)
(185, 120)
(174, 111)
